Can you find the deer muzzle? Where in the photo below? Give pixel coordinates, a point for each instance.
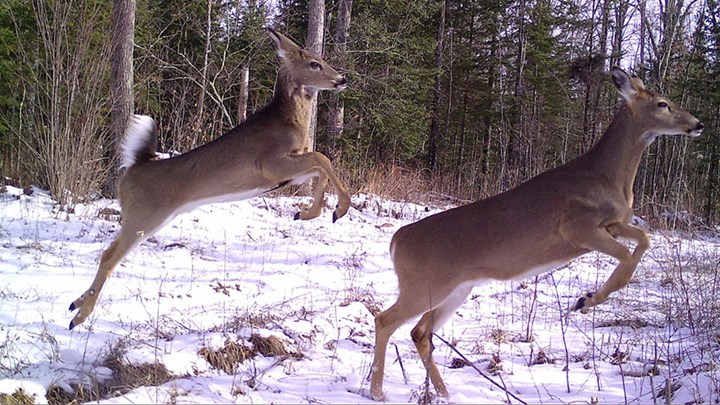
(697, 130)
(340, 83)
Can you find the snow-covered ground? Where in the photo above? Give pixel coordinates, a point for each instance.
(228, 271)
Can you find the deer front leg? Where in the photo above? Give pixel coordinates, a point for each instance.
(343, 198)
(605, 242)
(299, 167)
(315, 209)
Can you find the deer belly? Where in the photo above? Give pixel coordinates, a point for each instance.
(538, 269)
(243, 195)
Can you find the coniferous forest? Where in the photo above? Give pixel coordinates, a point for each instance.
(451, 99)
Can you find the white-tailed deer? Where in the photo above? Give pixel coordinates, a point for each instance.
(584, 205)
(267, 151)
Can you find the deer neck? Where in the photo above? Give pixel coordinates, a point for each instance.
(293, 101)
(618, 153)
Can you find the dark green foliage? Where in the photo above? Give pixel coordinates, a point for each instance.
(15, 17)
(392, 77)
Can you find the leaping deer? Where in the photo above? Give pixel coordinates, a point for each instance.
(266, 152)
(584, 205)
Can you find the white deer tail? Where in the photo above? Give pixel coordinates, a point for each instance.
(140, 141)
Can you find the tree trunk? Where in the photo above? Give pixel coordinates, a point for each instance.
(641, 176)
(314, 42)
(514, 156)
(243, 97)
(199, 121)
(336, 113)
(435, 120)
(713, 183)
(121, 80)
(598, 86)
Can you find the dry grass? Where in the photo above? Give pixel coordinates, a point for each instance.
(125, 377)
(235, 324)
(18, 397)
(365, 297)
(273, 346)
(416, 185)
(232, 354)
(495, 366)
(228, 357)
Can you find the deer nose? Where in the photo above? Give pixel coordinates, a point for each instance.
(340, 83)
(699, 127)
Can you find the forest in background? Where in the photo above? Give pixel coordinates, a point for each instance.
(454, 98)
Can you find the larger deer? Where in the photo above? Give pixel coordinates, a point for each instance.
(266, 152)
(584, 205)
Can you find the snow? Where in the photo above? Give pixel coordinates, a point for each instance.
(227, 271)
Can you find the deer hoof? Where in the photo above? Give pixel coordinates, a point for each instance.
(338, 213)
(581, 302)
(72, 325)
(72, 308)
(297, 216)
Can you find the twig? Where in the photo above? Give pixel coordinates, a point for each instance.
(465, 359)
(399, 360)
(563, 329)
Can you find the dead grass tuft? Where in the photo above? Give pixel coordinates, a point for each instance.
(228, 357)
(635, 323)
(109, 214)
(457, 362)
(232, 354)
(261, 320)
(18, 397)
(422, 395)
(495, 366)
(542, 358)
(58, 396)
(272, 346)
(364, 297)
(125, 377)
(499, 336)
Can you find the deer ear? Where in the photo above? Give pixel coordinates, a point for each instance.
(625, 84)
(285, 47)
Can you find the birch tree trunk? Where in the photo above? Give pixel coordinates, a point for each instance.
(314, 42)
(243, 97)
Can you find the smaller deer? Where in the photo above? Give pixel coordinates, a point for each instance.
(584, 205)
(267, 151)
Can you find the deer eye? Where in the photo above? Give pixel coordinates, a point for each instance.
(662, 104)
(315, 65)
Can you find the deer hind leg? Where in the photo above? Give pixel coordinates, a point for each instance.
(604, 241)
(85, 304)
(430, 323)
(132, 233)
(386, 323)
